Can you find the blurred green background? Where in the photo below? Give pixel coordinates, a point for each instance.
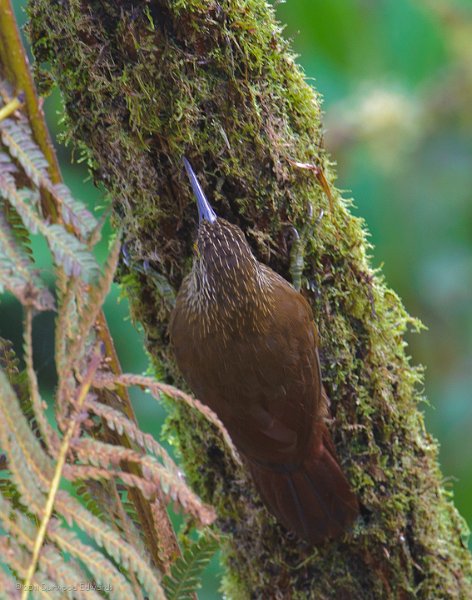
(396, 77)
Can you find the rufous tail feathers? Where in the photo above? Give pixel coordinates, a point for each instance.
(314, 500)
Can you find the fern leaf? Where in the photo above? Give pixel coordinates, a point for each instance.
(88, 495)
(42, 587)
(108, 500)
(50, 562)
(8, 585)
(71, 253)
(65, 330)
(116, 421)
(17, 273)
(78, 472)
(122, 552)
(100, 567)
(19, 382)
(9, 362)
(38, 420)
(13, 425)
(68, 251)
(186, 572)
(73, 211)
(32, 472)
(23, 201)
(67, 574)
(111, 500)
(9, 491)
(29, 465)
(157, 388)
(19, 231)
(17, 137)
(96, 299)
(173, 485)
(7, 167)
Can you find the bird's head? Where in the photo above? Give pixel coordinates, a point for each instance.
(223, 259)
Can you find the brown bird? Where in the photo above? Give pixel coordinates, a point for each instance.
(246, 343)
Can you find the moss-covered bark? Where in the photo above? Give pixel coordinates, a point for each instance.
(145, 82)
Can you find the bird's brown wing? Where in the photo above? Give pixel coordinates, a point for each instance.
(265, 386)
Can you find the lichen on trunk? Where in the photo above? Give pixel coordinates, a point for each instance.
(146, 82)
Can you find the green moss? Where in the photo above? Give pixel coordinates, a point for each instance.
(147, 82)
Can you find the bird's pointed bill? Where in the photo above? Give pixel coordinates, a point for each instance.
(205, 211)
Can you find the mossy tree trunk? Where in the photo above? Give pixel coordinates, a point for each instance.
(148, 81)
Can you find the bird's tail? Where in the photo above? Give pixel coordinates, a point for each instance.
(314, 500)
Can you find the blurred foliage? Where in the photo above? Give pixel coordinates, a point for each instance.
(396, 76)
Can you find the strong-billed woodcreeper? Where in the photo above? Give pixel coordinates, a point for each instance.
(246, 343)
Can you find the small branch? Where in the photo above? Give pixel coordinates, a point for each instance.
(9, 108)
(61, 459)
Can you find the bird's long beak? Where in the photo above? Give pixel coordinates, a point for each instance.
(205, 211)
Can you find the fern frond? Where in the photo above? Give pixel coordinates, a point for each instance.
(30, 467)
(32, 472)
(16, 136)
(67, 354)
(84, 489)
(157, 388)
(113, 543)
(186, 572)
(42, 587)
(125, 524)
(65, 330)
(51, 563)
(101, 568)
(98, 294)
(107, 500)
(79, 472)
(117, 421)
(19, 231)
(106, 456)
(17, 273)
(71, 253)
(68, 574)
(68, 251)
(9, 362)
(55, 481)
(44, 429)
(9, 491)
(7, 166)
(8, 585)
(115, 514)
(19, 382)
(129, 525)
(73, 211)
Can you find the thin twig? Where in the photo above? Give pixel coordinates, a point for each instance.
(9, 108)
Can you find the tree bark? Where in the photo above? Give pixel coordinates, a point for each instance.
(146, 82)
